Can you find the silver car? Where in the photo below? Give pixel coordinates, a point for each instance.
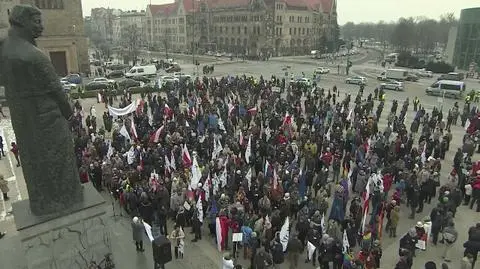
(356, 80)
(392, 85)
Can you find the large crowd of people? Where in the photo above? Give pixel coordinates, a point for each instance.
(297, 172)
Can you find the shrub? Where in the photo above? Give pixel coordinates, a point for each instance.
(439, 67)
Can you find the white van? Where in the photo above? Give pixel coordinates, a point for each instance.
(143, 70)
(447, 88)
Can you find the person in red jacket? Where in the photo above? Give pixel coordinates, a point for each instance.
(15, 152)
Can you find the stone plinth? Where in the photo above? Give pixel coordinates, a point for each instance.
(65, 240)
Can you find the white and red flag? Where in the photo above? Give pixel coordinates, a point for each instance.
(187, 160)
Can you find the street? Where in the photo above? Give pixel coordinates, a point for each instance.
(204, 254)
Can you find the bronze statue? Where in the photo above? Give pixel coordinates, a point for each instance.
(40, 113)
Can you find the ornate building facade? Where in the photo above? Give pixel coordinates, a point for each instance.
(251, 27)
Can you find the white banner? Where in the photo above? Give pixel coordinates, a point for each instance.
(122, 111)
(310, 249)
(148, 229)
(285, 234)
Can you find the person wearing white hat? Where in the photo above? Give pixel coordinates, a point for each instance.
(138, 229)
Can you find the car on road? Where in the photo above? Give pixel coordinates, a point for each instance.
(141, 79)
(95, 85)
(424, 73)
(182, 76)
(128, 83)
(218, 54)
(104, 80)
(73, 78)
(174, 67)
(302, 81)
(412, 77)
(452, 76)
(359, 80)
(167, 79)
(392, 85)
(321, 70)
(115, 74)
(67, 86)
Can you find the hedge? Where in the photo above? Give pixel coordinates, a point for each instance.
(94, 93)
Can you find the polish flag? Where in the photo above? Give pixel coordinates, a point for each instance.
(252, 111)
(167, 111)
(287, 120)
(275, 179)
(173, 163)
(140, 106)
(133, 130)
(231, 107)
(241, 139)
(187, 160)
(156, 136)
(167, 165)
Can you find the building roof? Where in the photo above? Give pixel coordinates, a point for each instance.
(324, 6)
(227, 3)
(189, 5)
(165, 9)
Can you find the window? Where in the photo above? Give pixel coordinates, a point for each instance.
(308, 31)
(290, 31)
(140, 70)
(181, 20)
(245, 30)
(281, 30)
(221, 29)
(233, 30)
(303, 31)
(49, 4)
(307, 19)
(238, 30)
(226, 30)
(294, 31)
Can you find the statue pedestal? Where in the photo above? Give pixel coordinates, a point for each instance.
(65, 240)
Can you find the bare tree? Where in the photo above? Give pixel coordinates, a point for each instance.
(131, 39)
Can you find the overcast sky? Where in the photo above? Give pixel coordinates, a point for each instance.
(348, 10)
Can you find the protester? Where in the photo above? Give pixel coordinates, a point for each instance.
(138, 231)
(257, 160)
(4, 188)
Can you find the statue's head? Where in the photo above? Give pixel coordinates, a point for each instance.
(28, 18)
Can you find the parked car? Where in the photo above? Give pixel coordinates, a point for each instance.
(392, 85)
(182, 76)
(67, 86)
(302, 81)
(115, 74)
(128, 83)
(73, 78)
(167, 79)
(104, 80)
(321, 70)
(424, 73)
(141, 79)
(452, 76)
(356, 80)
(95, 85)
(411, 77)
(174, 67)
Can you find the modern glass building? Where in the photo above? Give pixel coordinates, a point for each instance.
(467, 44)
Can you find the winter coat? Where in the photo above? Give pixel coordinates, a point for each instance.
(4, 185)
(361, 182)
(138, 231)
